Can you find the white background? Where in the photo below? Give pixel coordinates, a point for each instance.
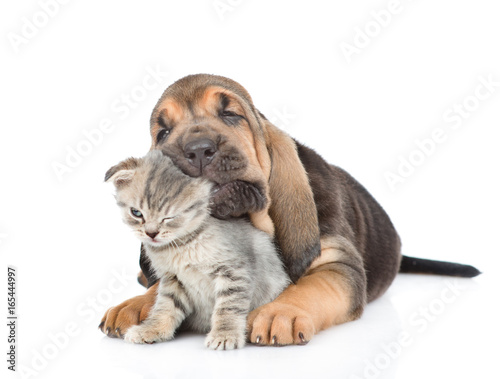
(64, 233)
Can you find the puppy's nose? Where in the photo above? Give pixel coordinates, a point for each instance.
(200, 152)
(152, 234)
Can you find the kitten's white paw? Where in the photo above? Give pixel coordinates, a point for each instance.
(227, 340)
(146, 334)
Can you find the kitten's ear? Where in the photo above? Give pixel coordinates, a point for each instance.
(122, 178)
(122, 173)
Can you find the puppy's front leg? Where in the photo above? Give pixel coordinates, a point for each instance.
(172, 306)
(332, 291)
(236, 199)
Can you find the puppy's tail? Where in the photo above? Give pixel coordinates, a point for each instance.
(426, 266)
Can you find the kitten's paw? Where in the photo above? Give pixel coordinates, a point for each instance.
(147, 334)
(225, 340)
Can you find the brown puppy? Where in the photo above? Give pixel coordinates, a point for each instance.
(339, 246)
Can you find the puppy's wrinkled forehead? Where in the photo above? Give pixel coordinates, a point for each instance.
(195, 94)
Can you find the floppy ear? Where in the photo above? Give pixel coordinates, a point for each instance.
(292, 209)
(122, 173)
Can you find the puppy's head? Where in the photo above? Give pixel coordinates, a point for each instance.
(209, 127)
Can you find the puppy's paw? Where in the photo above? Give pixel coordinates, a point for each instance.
(276, 324)
(225, 340)
(117, 320)
(235, 199)
(147, 334)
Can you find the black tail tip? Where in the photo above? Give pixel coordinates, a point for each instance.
(428, 266)
(469, 271)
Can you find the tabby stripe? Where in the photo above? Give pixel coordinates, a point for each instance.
(149, 180)
(166, 183)
(226, 273)
(179, 283)
(195, 205)
(190, 237)
(231, 291)
(163, 203)
(177, 302)
(179, 189)
(230, 302)
(132, 222)
(225, 326)
(233, 278)
(218, 270)
(231, 311)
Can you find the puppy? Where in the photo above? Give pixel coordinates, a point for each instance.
(339, 246)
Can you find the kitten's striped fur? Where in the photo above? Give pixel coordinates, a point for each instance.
(213, 272)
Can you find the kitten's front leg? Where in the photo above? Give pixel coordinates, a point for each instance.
(232, 306)
(172, 306)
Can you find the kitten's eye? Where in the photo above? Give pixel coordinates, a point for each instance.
(136, 213)
(167, 219)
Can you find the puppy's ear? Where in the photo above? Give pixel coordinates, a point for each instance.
(122, 173)
(292, 209)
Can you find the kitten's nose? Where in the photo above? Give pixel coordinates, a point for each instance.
(152, 234)
(200, 152)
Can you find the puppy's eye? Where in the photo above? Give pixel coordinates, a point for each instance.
(136, 213)
(162, 134)
(226, 113)
(230, 117)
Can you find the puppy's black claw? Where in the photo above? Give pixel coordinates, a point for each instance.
(118, 332)
(302, 339)
(109, 334)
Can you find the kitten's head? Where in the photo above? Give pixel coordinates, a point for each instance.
(160, 203)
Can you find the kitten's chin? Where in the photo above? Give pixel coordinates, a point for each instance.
(156, 243)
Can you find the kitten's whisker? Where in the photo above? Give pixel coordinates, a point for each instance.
(174, 245)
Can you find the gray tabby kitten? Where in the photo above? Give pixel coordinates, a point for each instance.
(212, 272)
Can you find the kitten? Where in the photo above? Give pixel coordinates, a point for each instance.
(212, 272)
